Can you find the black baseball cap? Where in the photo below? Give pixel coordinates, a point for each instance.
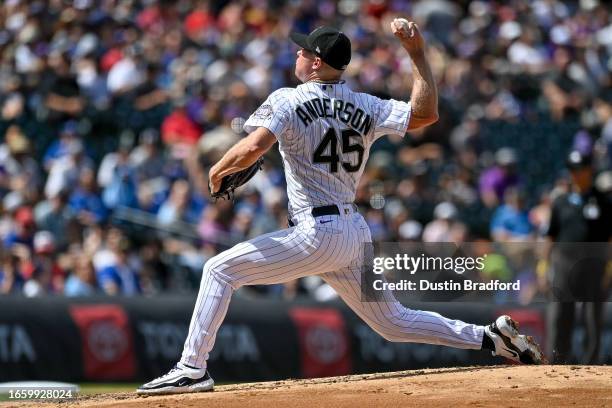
(577, 160)
(329, 44)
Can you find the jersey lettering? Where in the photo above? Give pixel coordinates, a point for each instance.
(316, 108)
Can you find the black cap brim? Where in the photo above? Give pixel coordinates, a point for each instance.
(576, 160)
(301, 40)
(578, 166)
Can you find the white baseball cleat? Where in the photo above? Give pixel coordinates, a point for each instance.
(180, 379)
(511, 344)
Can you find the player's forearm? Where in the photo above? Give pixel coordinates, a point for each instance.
(239, 157)
(424, 96)
(243, 154)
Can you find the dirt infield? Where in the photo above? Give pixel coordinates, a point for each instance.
(500, 386)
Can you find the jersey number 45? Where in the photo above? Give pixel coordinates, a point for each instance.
(333, 158)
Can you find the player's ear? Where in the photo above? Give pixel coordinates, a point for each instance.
(317, 63)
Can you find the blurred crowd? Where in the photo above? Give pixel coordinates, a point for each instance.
(112, 111)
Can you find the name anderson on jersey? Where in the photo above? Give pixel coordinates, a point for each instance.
(334, 108)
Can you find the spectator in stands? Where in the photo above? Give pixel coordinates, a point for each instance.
(85, 202)
(64, 172)
(125, 75)
(395, 214)
(148, 94)
(61, 147)
(12, 202)
(117, 177)
(445, 227)
(146, 157)
(273, 213)
(179, 131)
(23, 229)
(180, 205)
(495, 180)
(120, 276)
(62, 94)
(112, 160)
(82, 280)
(603, 111)
(20, 171)
(410, 231)
(55, 216)
(37, 282)
(563, 90)
(215, 222)
(13, 104)
(510, 221)
(45, 260)
(10, 277)
(155, 275)
(539, 216)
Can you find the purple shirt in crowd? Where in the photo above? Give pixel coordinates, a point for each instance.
(497, 180)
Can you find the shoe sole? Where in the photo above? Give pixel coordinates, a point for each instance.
(532, 349)
(203, 386)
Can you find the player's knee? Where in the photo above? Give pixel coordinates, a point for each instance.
(208, 269)
(385, 331)
(388, 336)
(390, 326)
(212, 268)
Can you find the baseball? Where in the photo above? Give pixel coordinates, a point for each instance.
(401, 23)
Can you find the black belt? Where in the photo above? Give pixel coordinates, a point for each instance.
(325, 210)
(320, 212)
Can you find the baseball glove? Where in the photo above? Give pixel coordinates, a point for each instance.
(232, 181)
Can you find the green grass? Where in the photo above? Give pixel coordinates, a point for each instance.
(98, 388)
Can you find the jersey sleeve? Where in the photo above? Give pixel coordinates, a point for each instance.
(393, 117)
(273, 114)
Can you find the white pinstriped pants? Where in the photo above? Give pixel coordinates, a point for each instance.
(330, 246)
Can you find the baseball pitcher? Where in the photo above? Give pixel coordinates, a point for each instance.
(324, 132)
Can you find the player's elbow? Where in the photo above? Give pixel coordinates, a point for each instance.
(417, 122)
(259, 142)
(433, 118)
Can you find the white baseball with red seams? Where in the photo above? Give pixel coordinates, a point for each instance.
(324, 131)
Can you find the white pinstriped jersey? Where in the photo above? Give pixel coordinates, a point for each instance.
(325, 132)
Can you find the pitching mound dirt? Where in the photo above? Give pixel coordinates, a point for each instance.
(501, 386)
